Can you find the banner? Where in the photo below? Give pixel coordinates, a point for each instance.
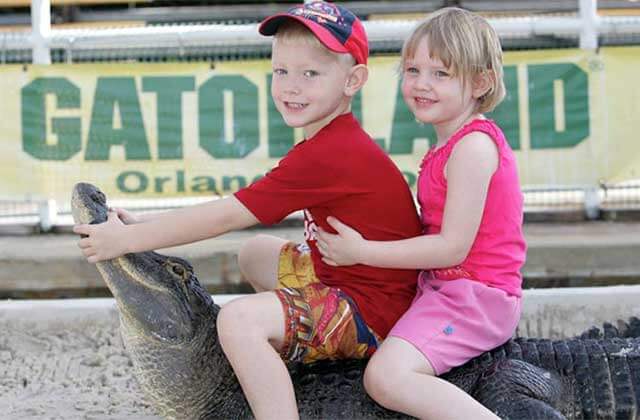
(174, 129)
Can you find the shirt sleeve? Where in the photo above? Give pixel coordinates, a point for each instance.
(304, 178)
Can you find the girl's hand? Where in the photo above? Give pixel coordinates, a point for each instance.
(344, 248)
(127, 217)
(103, 241)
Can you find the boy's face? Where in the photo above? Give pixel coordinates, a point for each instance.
(431, 91)
(308, 85)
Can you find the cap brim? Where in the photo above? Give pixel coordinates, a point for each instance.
(270, 26)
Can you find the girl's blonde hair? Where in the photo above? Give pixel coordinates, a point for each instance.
(467, 45)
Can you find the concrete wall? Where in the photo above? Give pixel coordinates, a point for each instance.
(550, 313)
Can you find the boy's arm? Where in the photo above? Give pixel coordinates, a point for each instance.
(469, 170)
(189, 224)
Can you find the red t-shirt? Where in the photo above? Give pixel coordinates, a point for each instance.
(342, 172)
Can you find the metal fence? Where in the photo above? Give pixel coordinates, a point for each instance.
(195, 41)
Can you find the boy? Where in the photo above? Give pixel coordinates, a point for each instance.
(308, 310)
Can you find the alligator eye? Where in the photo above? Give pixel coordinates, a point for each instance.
(177, 269)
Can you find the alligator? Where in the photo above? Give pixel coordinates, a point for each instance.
(168, 326)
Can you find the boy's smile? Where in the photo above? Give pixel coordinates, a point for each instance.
(293, 106)
(308, 85)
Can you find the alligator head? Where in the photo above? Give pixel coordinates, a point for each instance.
(167, 325)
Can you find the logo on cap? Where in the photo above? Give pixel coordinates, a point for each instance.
(327, 15)
(319, 11)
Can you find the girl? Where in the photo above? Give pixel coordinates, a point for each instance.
(469, 291)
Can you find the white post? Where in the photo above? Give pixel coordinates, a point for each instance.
(590, 19)
(40, 30)
(48, 212)
(592, 202)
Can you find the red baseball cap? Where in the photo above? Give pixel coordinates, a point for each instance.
(335, 27)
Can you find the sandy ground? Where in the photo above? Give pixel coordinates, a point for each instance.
(64, 359)
(79, 372)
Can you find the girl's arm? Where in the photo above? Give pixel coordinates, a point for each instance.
(469, 169)
(189, 224)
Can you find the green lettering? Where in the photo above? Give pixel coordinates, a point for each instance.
(180, 185)
(406, 130)
(228, 181)
(160, 181)
(169, 91)
(34, 129)
(120, 91)
(544, 105)
(507, 113)
(138, 179)
(410, 177)
(243, 133)
(281, 137)
(204, 184)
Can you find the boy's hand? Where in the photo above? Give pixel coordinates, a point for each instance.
(104, 241)
(345, 248)
(127, 217)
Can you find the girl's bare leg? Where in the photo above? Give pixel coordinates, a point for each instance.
(400, 378)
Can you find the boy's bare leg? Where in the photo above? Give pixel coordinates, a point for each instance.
(400, 378)
(258, 260)
(251, 331)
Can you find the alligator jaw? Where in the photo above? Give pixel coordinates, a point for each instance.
(150, 295)
(167, 321)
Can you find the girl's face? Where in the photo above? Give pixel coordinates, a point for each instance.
(434, 94)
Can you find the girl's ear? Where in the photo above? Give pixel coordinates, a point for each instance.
(482, 84)
(357, 77)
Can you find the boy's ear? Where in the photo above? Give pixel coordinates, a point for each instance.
(482, 84)
(357, 77)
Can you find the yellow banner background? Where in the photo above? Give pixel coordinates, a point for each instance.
(611, 152)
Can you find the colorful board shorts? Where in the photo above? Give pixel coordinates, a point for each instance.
(321, 322)
(453, 321)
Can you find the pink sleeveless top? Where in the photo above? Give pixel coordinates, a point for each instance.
(499, 250)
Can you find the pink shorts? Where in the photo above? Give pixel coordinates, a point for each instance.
(453, 321)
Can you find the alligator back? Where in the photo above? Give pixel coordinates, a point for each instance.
(587, 377)
(599, 377)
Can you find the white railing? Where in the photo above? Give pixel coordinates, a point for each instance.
(586, 26)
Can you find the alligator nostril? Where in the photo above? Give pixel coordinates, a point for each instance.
(98, 197)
